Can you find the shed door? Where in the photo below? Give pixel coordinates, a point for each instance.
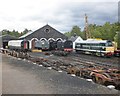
(5, 44)
(33, 43)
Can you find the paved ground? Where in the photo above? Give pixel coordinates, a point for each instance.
(0, 74)
(23, 77)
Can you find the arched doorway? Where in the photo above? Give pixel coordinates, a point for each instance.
(33, 40)
(52, 44)
(59, 39)
(60, 44)
(44, 44)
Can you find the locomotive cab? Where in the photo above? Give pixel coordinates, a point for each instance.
(68, 46)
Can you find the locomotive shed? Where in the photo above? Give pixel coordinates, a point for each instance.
(23, 77)
(5, 39)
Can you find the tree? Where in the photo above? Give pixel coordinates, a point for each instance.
(106, 31)
(26, 31)
(117, 39)
(5, 31)
(76, 31)
(68, 34)
(14, 33)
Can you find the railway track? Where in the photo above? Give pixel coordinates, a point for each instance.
(77, 59)
(110, 62)
(97, 63)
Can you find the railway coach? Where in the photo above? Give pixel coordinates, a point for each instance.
(18, 45)
(95, 47)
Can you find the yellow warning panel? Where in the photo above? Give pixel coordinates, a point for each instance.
(111, 49)
(35, 50)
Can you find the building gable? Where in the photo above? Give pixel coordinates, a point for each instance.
(75, 38)
(45, 32)
(78, 39)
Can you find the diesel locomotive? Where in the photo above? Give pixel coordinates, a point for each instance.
(95, 47)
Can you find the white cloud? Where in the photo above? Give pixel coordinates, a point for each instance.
(61, 14)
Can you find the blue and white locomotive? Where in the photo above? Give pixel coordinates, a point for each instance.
(95, 47)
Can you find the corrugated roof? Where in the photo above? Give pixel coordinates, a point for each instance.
(25, 35)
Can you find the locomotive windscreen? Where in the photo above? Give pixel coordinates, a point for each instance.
(109, 43)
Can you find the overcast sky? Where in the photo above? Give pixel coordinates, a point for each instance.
(60, 14)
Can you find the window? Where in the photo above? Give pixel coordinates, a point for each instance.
(109, 43)
(102, 44)
(47, 30)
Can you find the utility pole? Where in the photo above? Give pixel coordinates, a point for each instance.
(87, 32)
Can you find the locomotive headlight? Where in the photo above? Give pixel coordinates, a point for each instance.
(43, 43)
(103, 48)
